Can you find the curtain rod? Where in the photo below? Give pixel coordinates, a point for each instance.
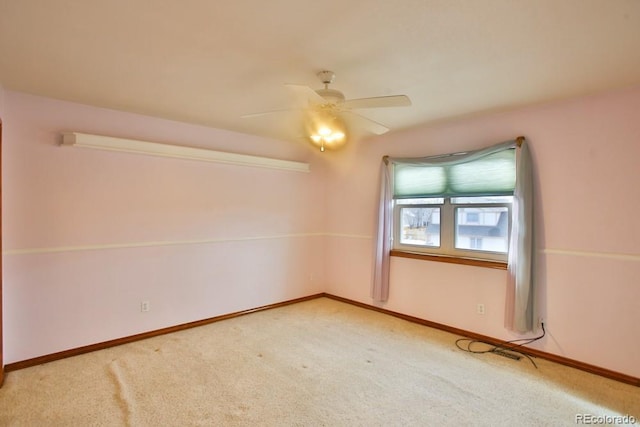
(519, 140)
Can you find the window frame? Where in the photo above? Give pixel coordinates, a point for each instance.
(448, 225)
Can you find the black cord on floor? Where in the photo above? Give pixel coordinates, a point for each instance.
(508, 345)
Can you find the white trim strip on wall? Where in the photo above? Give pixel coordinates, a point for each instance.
(36, 251)
(58, 249)
(608, 255)
(76, 139)
(348, 236)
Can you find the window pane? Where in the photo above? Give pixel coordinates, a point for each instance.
(482, 229)
(420, 226)
(482, 199)
(429, 201)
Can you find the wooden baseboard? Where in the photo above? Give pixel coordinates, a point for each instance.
(607, 373)
(119, 341)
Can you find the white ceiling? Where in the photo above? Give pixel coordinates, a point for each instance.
(211, 61)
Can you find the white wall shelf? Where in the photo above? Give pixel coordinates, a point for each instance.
(109, 143)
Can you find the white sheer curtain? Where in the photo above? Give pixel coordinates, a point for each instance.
(380, 288)
(521, 307)
(520, 295)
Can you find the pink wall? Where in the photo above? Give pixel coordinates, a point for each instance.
(90, 234)
(273, 235)
(588, 261)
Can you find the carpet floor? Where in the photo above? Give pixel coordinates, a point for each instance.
(315, 363)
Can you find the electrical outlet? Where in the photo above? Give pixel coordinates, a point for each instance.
(145, 306)
(480, 309)
(541, 321)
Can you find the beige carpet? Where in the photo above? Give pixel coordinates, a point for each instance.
(317, 363)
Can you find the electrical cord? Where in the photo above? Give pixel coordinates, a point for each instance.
(508, 345)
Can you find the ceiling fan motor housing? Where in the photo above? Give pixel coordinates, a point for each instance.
(331, 95)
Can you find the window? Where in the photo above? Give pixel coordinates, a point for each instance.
(472, 182)
(453, 207)
(441, 226)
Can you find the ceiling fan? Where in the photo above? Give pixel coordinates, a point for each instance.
(328, 116)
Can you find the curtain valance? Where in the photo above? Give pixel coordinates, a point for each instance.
(468, 174)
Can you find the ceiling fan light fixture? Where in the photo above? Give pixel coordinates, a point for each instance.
(326, 132)
(328, 137)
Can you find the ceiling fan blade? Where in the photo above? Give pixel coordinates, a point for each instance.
(308, 93)
(268, 113)
(364, 123)
(378, 102)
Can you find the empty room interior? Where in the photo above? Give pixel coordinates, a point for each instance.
(441, 170)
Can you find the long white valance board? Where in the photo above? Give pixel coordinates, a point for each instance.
(109, 143)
